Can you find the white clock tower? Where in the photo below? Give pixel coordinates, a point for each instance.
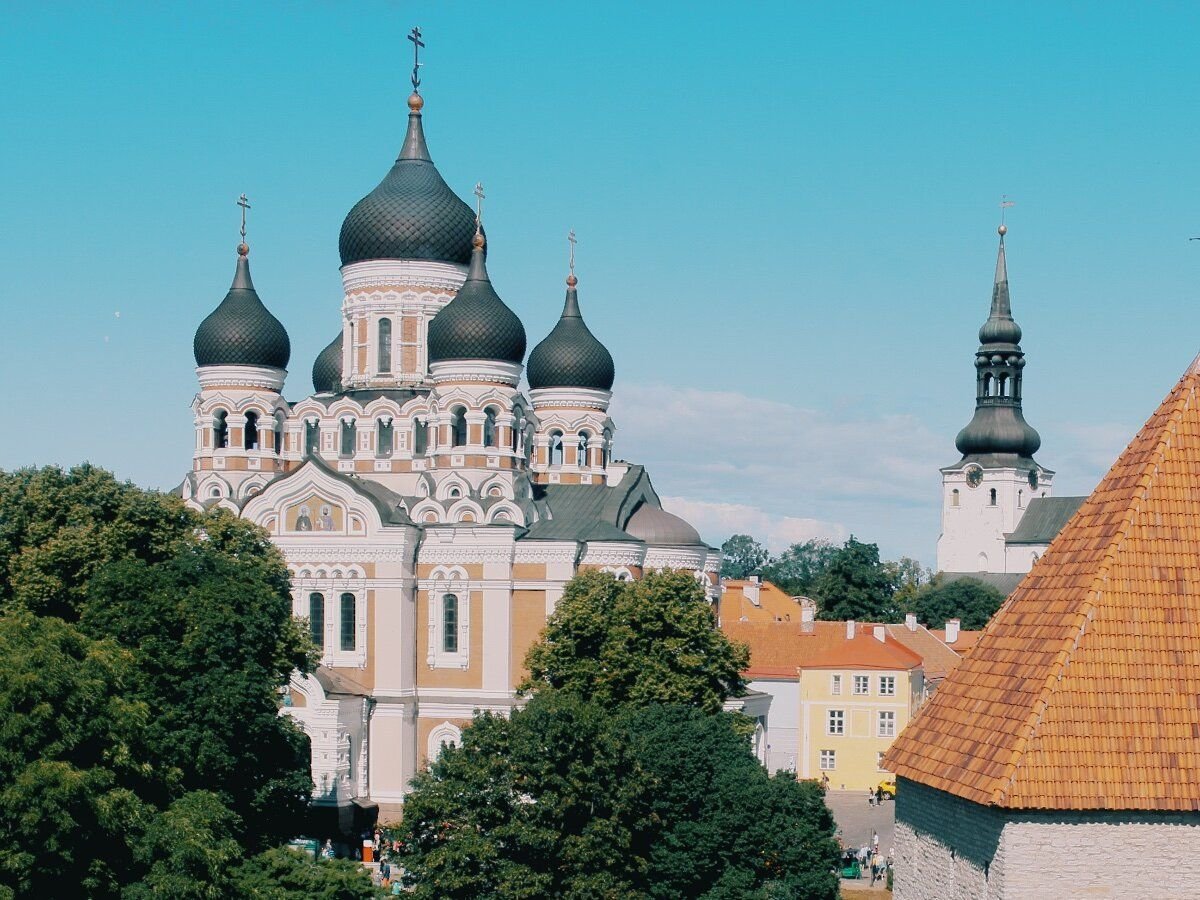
(985, 494)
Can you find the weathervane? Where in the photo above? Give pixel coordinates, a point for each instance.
(245, 205)
(1005, 203)
(479, 196)
(573, 241)
(415, 37)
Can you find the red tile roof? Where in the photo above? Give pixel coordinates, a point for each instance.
(1084, 690)
(778, 649)
(937, 658)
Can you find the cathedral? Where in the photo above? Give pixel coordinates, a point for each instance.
(430, 509)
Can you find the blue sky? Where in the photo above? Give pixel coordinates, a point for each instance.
(786, 218)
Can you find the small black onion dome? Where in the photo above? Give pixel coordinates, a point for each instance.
(241, 331)
(412, 213)
(476, 324)
(327, 369)
(570, 356)
(998, 429)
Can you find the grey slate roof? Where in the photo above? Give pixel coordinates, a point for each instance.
(476, 324)
(241, 331)
(1044, 519)
(570, 356)
(655, 525)
(411, 214)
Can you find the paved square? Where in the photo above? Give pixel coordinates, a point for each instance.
(856, 820)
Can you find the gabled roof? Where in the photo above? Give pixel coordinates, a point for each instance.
(963, 644)
(1044, 519)
(774, 605)
(865, 651)
(1082, 691)
(781, 649)
(937, 658)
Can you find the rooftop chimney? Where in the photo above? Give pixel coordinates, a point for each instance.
(751, 589)
(952, 631)
(850, 630)
(910, 621)
(807, 614)
(880, 634)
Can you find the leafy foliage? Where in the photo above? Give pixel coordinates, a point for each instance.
(142, 647)
(647, 641)
(283, 874)
(909, 577)
(797, 568)
(568, 798)
(856, 585)
(967, 599)
(742, 556)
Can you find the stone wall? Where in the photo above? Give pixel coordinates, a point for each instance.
(948, 848)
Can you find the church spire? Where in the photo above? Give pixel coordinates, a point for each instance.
(999, 427)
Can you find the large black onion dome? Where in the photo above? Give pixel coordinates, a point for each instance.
(412, 213)
(476, 324)
(998, 429)
(241, 331)
(327, 370)
(570, 356)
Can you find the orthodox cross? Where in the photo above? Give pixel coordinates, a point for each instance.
(1005, 203)
(245, 205)
(415, 37)
(479, 196)
(573, 241)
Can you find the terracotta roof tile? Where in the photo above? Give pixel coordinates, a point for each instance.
(774, 604)
(937, 658)
(1084, 690)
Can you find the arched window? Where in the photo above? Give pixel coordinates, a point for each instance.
(220, 430)
(385, 345)
(1020, 498)
(349, 435)
(316, 618)
(458, 427)
(383, 437)
(347, 630)
(278, 433)
(581, 454)
(420, 437)
(992, 497)
(987, 385)
(606, 450)
(1002, 386)
(312, 437)
(954, 497)
(556, 448)
(515, 431)
(528, 442)
(489, 427)
(250, 432)
(449, 623)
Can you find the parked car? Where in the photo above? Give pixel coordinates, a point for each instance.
(888, 787)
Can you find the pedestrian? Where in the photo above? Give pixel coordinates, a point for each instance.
(875, 841)
(870, 798)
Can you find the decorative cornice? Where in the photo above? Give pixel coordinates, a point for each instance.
(658, 558)
(403, 273)
(614, 554)
(545, 551)
(475, 370)
(573, 398)
(265, 377)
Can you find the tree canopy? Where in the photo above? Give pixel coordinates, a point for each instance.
(856, 585)
(649, 641)
(742, 555)
(142, 649)
(969, 600)
(569, 799)
(797, 568)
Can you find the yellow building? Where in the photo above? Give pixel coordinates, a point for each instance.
(857, 691)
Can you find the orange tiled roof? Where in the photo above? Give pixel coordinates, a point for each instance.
(865, 651)
(965, 642)
(937, 658)
(774, 604)
(1082, 691)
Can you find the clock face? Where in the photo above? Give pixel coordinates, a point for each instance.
(974, 476)
(1033, 478)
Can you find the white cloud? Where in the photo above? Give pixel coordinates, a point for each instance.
(717, 521)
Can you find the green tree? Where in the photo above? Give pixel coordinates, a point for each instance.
(571, 799)
(648, 641)
(797, 568)
(283, 874)
(742, 556)
(856, 585)
(69, 766)
(966, 599)
(909, 577)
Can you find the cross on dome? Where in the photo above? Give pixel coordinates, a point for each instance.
(415, 37)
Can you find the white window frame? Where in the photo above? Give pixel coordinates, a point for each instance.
(887, 716)
(446, 733)
(890, 682)
(835, 684)
(828, 760)
(332, 582)
(863, 681)
(838, 717)
(448, 580)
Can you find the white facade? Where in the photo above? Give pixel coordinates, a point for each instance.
(980, 507)
(783, 736)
